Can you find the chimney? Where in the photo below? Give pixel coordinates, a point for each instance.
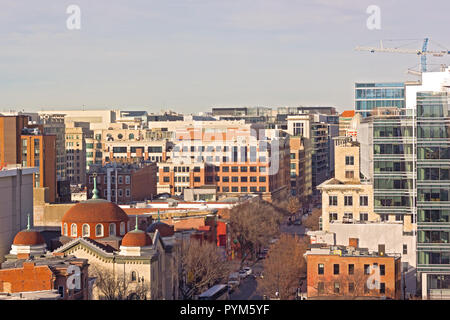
(353, 242)
(28, 265)
(381, 249)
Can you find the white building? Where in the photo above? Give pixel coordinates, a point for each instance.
(16, 202)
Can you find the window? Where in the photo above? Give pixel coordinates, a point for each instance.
(363, 217)
(86, 231)
(262, 179)
(349, 174)
(348, 200)
(244, 169)
(133, 276)
(112, 229)
(122, 228)
(253, 179)
(262, 189)
(234, 189)
(320, 268)
(225, 179)
(127, 192)
(336, 287)
(61, 291)
(351, 269)
(398, 217)
(99, 230)
(120, 179)
(363, 200)
(225, 189)
(252, 169)
(382, 287)
(234, 169)
(349, 160)
(382, 270)
(243, 189)
(333, 216)
(127, 179)
(244, 179)
(351, 287)
(166, 179)
(196, 179)
(225, 169)
(348, 216)
(73, 230)
(405, 249)
(333, 200)
(65, 229)
(335, 269)
(234, 179)
(366, 269)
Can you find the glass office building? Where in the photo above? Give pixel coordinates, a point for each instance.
(369, 96)
(433, 188)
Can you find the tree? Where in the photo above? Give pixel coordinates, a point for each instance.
(293, 205)
(112, 286)
(253, 224)
(284, 267)
(312, 222)
(201, 266)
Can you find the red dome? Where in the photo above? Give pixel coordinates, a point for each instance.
(95, 210)
(28, 238)
(136, 238)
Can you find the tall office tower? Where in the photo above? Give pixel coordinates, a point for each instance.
(407, 153)
(433, 188)
(369, 96)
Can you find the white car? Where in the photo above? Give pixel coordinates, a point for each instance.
(248, 270)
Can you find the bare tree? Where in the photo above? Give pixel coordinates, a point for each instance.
(201, 265)
(284, 267)
(312, 222)
(112, 286)
(252, 225)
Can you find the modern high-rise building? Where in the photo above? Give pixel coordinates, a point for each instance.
(369, 96)
(407, 154)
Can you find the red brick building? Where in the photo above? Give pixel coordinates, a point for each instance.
(348, 272)
(124, 183)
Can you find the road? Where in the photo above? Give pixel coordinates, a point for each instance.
(247, 290)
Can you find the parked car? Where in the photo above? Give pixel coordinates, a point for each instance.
(233, 281)
(242, 273)
(248, 270)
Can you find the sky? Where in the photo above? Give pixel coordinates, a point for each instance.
(191, 55)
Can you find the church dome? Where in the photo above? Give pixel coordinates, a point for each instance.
(95, 210)
(136, 238)
(28, 238)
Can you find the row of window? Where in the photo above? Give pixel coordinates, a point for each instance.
(217, 169)
(113, 179)
(348, 200)
(86, 230)
(351, 269)
(333, 216)
(351, 288)
(233, 189)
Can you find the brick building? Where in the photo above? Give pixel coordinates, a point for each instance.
(39, 150)
(124, 183)
(348, 271)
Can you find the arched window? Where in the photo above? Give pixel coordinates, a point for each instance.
(73, 230)
(122, 228)
(112, 229)
(86, 230)
(131, 136)
(128, 226)
(65, 229)
(99, 230)
(133, 276)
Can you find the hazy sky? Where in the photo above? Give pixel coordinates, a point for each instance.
(190, 55)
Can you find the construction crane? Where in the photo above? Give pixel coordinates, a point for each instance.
(422, 53)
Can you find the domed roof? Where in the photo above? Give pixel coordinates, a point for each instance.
(95, 210)
(164, 229)
(28, 238)
(136, 238)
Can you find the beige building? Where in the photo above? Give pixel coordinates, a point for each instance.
(345, 198)
(300, 167)
(16, 199)
(76, 154)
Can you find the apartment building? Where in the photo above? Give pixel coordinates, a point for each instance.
(347, 272)
(238, 159)
(39, 150)
(76, 153)
(347, 198)
(300, 167)
(124, 183)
